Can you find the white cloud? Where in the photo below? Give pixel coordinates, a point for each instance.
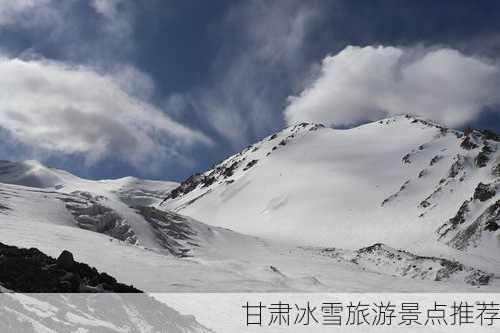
(252, 72)
(118, 20)
(30, 13)
(107, 8)
(367, 83)
(11, 9)
(76, 110)
(65, 31)
(37, 12)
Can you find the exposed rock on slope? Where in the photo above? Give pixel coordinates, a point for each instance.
(222, 172)
(173, 231)
(91, 214)
(470, 234)
(31, 271)
(383, 259)
(401, 181)
(182, 236)
(307, 185)
(477, 222)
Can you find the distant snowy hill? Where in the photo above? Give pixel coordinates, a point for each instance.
(307, 209)
(402, 181)
(132, 190)
(122, 209)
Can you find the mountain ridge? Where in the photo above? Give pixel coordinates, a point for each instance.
(435, 163)
(267, 218)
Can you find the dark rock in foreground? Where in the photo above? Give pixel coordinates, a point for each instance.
(31, 271)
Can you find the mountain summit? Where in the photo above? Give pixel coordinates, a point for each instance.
(309, 208)
(404, 181)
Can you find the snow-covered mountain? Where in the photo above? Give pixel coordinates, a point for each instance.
(122, 209)
(402, 181)
(131, 190)
(307, 209)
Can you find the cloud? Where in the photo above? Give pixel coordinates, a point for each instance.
(64, 109)
(96, 32)
(117, 18)
(367, 83)
(10, 9)
(107, 8)
(30, 13)
(260, 56)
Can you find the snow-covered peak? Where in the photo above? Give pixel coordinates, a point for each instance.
(413, 119)
(430, 194)
(34, 174)
(31, 173)
(395, 181)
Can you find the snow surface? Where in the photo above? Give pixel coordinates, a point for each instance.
(240, 268)
(268, 219)
(349, 188)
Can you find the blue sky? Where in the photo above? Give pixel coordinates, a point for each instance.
(162, 89)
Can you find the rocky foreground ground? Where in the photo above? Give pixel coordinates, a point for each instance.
(29, 271)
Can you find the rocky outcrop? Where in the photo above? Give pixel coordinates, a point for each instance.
(496, 170)
(393, 196)
(483, 157)
(457, 166)
(172, 230)
(250, 164)
(418, 267)
(3, 208)
(472, 219)
(484, 192)
(435, 159)
(487, 222)
(91, 214)
(384, 259)
(221, 172)
(224, 172)
(31, 271)
(468, 143)
(490, 135)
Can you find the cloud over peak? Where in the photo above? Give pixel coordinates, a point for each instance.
(67, 109)
(367, 83)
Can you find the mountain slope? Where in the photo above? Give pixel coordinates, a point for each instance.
(133, 191)
(395, 181)
(143, 226)
(307, 209)
(179, 254)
